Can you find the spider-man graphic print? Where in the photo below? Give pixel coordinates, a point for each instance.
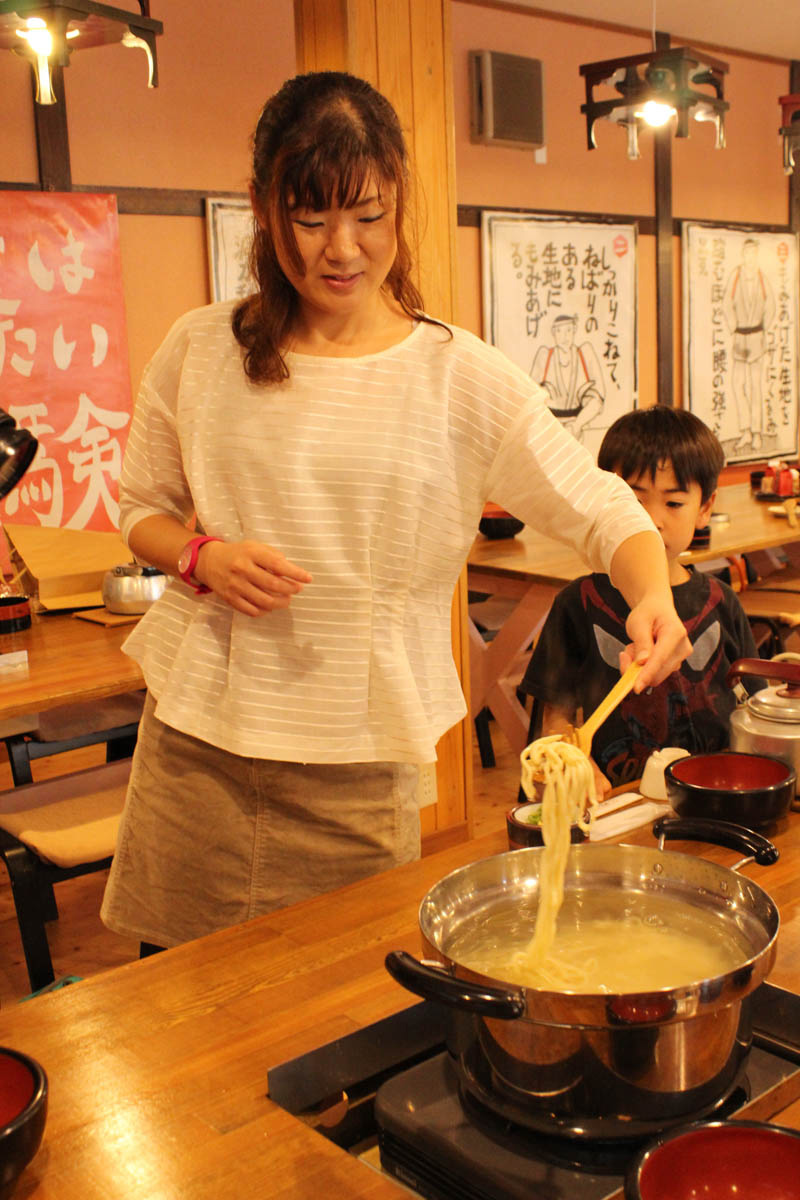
(576, 662)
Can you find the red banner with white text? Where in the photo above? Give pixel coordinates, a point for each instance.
(64, 354)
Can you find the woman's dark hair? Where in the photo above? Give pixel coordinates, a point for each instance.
(640, 442)
(317, 143)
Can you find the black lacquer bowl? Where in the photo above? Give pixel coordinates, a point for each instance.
(753, 790)
(23, 1112)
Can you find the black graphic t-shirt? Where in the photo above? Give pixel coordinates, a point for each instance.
(576, 662)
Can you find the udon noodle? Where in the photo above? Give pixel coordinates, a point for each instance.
(608, 939)
(567, 797)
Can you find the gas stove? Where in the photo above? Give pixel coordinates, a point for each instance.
(393, 1086)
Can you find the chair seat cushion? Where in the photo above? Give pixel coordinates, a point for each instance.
(76, 720)
(71, 819)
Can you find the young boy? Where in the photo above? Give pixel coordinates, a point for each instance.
(672, 461)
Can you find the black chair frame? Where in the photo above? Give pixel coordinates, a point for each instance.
(32, 882)
(22, 748)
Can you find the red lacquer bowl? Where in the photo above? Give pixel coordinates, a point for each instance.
(718, 1160)
(753, 790)
(23, 1111)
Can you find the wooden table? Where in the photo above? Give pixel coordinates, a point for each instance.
(532, 569)
(158, 1069)
(69, 660)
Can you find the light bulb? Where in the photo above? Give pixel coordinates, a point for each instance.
(40, 41)
(655, 113)
(38, 36)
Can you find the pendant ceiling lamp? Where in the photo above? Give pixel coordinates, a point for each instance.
(790, 130)
(653, 89)
(46, 32)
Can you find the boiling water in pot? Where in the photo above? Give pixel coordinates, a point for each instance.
(606, 941)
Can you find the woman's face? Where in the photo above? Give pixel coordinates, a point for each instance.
(347, 252)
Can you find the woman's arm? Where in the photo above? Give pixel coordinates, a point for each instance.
(252, 577)
(639, 571)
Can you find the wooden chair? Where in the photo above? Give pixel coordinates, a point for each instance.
(488, 614)
(773, 609)
(786, 579)
(52, 831)
(114, 720)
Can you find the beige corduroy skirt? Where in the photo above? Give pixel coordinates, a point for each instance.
(209, 838)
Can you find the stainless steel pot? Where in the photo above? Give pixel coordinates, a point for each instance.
(768, 722)
(598, 1065)
(132, 588)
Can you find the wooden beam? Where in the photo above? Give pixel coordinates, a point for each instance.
(52, 137)
(403, 48)
(794, 178)
(662, 166)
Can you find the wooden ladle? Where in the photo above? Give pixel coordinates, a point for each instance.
(583, 734)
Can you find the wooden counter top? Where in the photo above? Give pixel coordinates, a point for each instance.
(536, 558)
(69, 660)
(158, 1069)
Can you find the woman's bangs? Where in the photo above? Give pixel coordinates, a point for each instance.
(328, 180)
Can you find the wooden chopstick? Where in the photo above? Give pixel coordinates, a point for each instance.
(584, 733)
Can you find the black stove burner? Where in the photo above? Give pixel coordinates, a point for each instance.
(429, 1141)
(609, 1157)
(446, 1146)
(448, 1149)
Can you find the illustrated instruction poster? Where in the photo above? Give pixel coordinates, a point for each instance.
(64, 370)
(740, 335)
(559, 298)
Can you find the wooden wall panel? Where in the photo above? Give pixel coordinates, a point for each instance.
(403, 48)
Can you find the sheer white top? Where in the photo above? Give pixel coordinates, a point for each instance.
(371, 473)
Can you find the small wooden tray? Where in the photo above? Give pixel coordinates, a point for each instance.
(101, 616)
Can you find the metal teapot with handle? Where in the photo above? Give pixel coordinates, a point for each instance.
(768, 722)
(131, 588)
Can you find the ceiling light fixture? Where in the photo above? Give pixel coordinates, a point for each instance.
(47, 31)
(677, 82)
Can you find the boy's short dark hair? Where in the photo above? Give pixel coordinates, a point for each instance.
(641, 441)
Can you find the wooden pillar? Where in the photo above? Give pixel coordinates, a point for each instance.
(662, 166)
(794, 178)
(403, 48)
(52, 138)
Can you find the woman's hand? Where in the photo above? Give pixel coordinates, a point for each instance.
(658, 639)
(640, 571)
(252, 577)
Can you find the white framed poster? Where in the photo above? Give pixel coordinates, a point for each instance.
(559, 298)
(740, 337)
(229, 227)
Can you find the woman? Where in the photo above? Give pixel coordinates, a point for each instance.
(336, 446)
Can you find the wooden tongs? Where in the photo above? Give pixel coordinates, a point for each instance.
(583, 734)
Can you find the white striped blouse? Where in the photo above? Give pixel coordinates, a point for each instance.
(372, 473)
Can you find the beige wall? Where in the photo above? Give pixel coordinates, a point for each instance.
(193, 132)
(216, 69)
(743, 183)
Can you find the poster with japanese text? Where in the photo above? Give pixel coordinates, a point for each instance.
(740, 335)
(229, 228)
(559, 298)
(64, 355)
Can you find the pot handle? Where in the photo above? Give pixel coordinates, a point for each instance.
(434, 983)
(721, 833)
(764, 668)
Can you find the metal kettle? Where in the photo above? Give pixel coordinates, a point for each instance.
(768, 722)
(132, 588)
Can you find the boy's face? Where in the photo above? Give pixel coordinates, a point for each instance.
(676, 512)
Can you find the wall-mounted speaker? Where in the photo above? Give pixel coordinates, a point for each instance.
(506, 100)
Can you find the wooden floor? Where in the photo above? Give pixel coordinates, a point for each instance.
(79, 942)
